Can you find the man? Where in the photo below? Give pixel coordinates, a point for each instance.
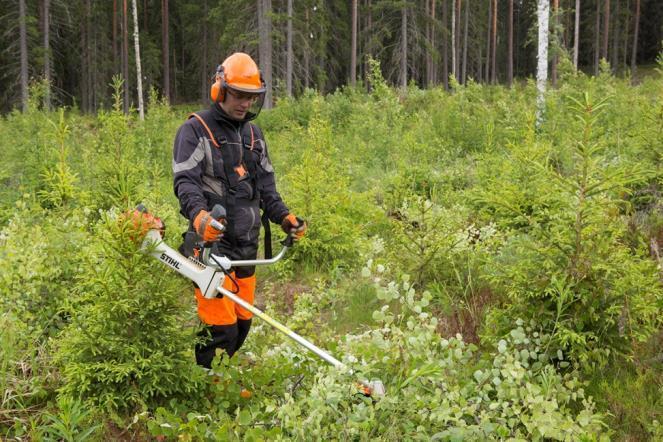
(219, 157)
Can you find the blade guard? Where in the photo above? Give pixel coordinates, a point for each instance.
(206, 278)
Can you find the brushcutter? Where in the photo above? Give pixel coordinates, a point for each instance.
(209, 271)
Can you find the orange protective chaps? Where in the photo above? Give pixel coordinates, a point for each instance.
(227, 323)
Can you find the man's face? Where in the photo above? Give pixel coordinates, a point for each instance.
(236, 104)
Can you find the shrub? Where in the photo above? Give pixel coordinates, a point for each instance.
(126, 346)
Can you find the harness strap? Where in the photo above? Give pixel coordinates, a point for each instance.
(209, 131)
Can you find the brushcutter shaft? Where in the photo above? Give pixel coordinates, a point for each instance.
(283, 329)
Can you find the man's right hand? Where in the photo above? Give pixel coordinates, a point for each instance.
(203, 225)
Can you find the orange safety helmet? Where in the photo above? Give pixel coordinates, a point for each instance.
(238, 72)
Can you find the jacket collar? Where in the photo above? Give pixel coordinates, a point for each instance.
(222, 117)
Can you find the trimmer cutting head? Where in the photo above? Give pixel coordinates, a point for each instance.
(373, 389)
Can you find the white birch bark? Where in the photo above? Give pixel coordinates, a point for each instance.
(576, 35)
(542, 14)
(139, 81)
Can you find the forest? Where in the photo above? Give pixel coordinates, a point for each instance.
(482, 186)
(323, 45)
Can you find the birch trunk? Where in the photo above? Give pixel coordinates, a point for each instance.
(542, 13)
(576, 35)
(139, 80)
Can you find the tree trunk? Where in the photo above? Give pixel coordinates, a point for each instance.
(614, 62)
(493, 68)
(145, 15)
(368, 42)
(626, 35)
(289, 53)
(24, 54)
(353, 54)
(465, 32)
(454, 9)
(265, 46)
(634, 53)
(576, 35)
(125, 55)
(139, 80)
(606, 29)
(89, 40)
(429, 47)
(85, 66)
(597, 38)
(404, 47)
(509, 63)
(307, 50)
(47, 54)
(114, 42)
(433, 75)
(556, 39)
(542, 59)
(204, 68)
(445, 44)
(165, 49)
(488, 40)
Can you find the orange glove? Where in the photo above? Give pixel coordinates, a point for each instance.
(294, 225)
(141, 222)
(203, 225)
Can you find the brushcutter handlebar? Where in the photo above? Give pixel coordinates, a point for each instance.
(218, 212)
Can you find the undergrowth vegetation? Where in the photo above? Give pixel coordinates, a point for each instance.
(502, 280)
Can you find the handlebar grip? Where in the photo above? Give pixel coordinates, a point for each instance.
(288, 241)
(218, 211)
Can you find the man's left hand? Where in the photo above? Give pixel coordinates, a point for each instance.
(293, 225)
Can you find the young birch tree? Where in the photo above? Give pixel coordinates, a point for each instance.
(576, 35)
(139, 81)
(542, 13)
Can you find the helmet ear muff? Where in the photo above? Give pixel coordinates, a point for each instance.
(216, 92)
